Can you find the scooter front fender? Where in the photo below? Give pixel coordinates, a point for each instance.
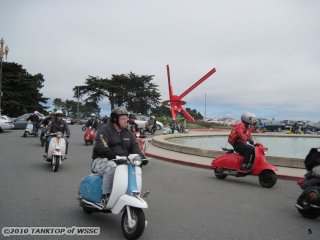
(126, 200)
(258, 169)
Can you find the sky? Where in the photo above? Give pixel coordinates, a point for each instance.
(266, 53)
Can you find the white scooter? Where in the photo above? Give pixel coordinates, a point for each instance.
(28, 130)
(56, 150)
(125, 195)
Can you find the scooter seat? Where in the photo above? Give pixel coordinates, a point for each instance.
(228, 150)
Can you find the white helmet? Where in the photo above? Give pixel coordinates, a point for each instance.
(92, 115)
(248, 118)
(59, 112)
(36, 112)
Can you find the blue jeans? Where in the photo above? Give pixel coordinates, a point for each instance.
(35, 129)
(48, 141)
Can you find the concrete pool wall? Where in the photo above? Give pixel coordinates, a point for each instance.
(161, 141)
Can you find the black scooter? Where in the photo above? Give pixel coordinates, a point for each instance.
(308, 203)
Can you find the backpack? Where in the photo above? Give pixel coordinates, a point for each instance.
(233, 136)
(312, 159)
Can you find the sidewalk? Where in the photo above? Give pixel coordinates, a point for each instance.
(204, 162)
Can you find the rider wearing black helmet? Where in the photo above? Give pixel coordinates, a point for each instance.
(46, 121)
(132, 125)
(113, 139)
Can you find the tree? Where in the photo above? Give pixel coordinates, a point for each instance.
(58, 103)
(89, 107)
(21, 90)
(161, 111)
(70, 107)
(136, 93)
(165, 111)
(194, 113)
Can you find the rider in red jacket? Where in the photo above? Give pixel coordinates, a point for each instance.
(240, 135)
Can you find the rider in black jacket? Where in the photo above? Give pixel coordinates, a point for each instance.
(34, 118)
(112, 139)
(132, 125)
(57, 125)
(92, 122)
(46, 121)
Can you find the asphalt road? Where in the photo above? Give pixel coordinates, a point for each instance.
(185, 202)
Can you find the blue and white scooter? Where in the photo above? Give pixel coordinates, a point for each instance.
(125, 196)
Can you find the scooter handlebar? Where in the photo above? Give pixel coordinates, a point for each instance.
(124, 159)
(55, 134)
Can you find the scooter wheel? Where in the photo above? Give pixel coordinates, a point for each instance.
(55, 163)
(219, 175)
(136, 231)
(267, 178)
(304, 201)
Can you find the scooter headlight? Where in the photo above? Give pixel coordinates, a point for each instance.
(137, 160)
(265, 151)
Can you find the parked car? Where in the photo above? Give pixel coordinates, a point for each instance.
(69, 120)
(84, 120)
(142, 120)
(288, 123)
(272, 125)
(21, 121)
(312, 126)
(6, 123)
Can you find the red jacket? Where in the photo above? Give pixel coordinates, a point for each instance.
(240, 133)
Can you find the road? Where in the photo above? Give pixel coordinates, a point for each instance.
(185, 202)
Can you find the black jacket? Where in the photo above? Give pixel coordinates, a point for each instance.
(111, 143)
(133, 127)
(93, 123)
(33, 118)
(58, 126)
(46, 121)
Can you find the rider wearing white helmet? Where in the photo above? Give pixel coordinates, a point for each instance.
(240, 135)
(34, 118)
(92, 122)
(57, 124)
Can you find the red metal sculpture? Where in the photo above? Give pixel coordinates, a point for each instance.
(176, 102)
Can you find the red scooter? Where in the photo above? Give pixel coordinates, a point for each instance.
(89, 135)
(231, 162)
(141, 143)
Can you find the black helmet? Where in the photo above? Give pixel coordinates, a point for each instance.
(116, 113)
(132, 115)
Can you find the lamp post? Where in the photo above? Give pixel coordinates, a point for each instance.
(3, 51)
(78, 108)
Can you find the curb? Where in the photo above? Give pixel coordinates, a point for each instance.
(198, 165)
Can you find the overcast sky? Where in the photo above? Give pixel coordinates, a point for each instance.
(266, 53)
